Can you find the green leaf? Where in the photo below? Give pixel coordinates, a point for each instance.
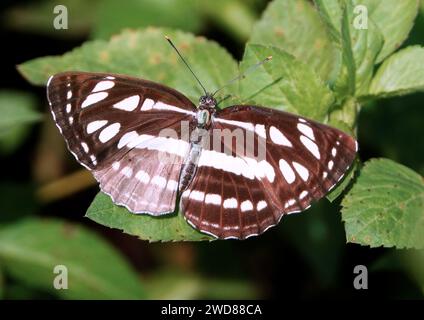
(366, 45)
(112, 17)
(171, 227)
(145, 54)
(344, 85)
(331, 12)
(172, 284)
(395, 19)
(31, 248)
(17, 111)
(400, 74)
(360, 48)
(296, 27)
(284, 83)
(385, 206)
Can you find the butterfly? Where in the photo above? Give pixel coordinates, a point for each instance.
(148, 145)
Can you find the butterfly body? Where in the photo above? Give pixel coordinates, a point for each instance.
(236, 170)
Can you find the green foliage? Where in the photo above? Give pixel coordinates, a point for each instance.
(296, 27)
(394, 19)
(31, 248)
(113, 17)
(171, 284)
(385, 207)
(145, 54)
(37, 17)
(400, 74)
(285, 83)
(171, 227)
(17, 111)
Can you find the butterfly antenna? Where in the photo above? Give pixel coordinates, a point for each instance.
(185, 62)
(243, 75)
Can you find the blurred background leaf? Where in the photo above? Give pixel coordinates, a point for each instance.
(172, 284)
(18, 112)
(113, 16)
(36, 17)
(31, 248)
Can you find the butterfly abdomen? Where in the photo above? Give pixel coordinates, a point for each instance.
(189, 168)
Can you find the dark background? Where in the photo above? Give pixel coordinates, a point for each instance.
(306, 256)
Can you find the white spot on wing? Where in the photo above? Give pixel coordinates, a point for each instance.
(159, 181)
(301, 170)
(260, 130)
(303, 194)
(172, 185)
(261, 205)
(311, 146)
(306, 130)
(197, 195)
(330, 164)
(278, 137)
(212, 198)
(289, 203)
(163, 106)
(116, 165)
(142, 176)
(68, 108)
(127, 171)
(246, 206)
(147, 104)
(287, 171)
(93, 159)
(103, 85)
(230, 203)
(95, 125)
(69, 94)
(333, 152)
(246, 125)
(85, 147)
(94, 98)
(109, 132)
(128, 104)
(127, 138)
(71, 120)
(247, 167)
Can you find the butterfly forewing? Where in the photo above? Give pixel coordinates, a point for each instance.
(114, 126)
(240, 193)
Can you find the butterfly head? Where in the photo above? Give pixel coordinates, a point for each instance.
(207, 104)
(207, 101)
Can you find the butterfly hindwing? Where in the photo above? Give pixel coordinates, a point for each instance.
(236, 194)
